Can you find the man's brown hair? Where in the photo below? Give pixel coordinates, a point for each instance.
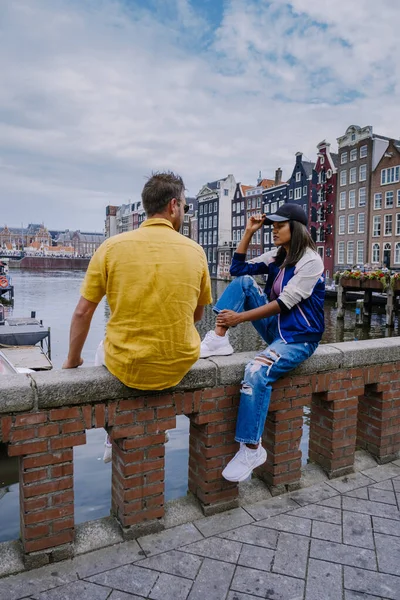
(159, 190)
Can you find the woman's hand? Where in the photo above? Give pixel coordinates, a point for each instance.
(255, 223)
(228, 318)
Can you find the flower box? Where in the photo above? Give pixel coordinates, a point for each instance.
(350, 282)
(372, 284)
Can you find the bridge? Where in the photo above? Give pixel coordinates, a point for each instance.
(275, 537)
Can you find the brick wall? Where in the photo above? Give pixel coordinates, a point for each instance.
(353, 390)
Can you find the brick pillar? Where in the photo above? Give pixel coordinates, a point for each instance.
(138, 463)
(212, 445)
(282, 434)
(378, 429)
(333, 423)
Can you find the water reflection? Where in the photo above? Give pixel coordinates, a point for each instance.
(54, 295)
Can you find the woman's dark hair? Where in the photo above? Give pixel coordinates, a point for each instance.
(300, 241)
(159, 190)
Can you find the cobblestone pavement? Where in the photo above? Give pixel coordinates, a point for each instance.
(338, 540)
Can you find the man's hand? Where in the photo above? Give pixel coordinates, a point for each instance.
(69, 364)
(228, 318)
(255, 223)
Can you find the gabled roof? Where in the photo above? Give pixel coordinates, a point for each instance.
(335, 158)
(266, 183)
(244, 188)
(308, 167)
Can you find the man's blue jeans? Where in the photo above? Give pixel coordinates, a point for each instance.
(242, 294)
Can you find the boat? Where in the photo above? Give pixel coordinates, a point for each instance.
(6, 287)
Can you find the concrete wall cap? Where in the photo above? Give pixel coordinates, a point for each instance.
(16, 393)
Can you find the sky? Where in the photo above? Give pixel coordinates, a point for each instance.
(95, 95)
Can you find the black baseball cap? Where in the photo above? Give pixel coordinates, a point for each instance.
(288, 212)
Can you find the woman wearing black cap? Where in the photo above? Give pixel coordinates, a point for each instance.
(289, 316)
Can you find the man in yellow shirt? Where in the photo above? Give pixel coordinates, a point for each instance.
(157, 283)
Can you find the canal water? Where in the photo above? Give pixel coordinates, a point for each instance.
(53, 295)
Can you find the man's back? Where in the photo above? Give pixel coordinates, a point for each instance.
(154, 279)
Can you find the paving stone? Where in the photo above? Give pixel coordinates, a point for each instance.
(251, 534)
(231, 519)
(384, 496)
(387, 526)
(256, 557)
(267, 585)
(334, 502)
(326, 531)
(324, 581)
(174, 563)
(396, 484)
(36, 581)
(271, 507)
(388, 553)
(383, 472)
(312, 494)
(106, 559)
(76, 591)
(169, 587)
(372, 582)
(117, 595)
(351, 482)
(349, 595)
(320, 513)
(361, 493)
(342, 554)
(239, 596)
(287, 523)
(169, 539)
(217, 548)
(213, 580)
(387, 484)
(377, 509)
(357, 530)
(130, 578)
(291, 555)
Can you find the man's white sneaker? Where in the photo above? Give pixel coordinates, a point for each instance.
(243, 463)
(108, 451)
(215, 345)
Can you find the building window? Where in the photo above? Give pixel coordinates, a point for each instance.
(351, 224)
(215, 220)
(234, 221)
(390, 175)
(216, 206)
(266, 237)
(274, 207)
(304, 190)
(209, 255)
(353, 154)
(343, 158)
(363, 151)
(234, 235)
(362, 197)
(298, 176)
(353, 175)
(352, 198)
(253, 203)
(242, 205)
(342, 225)
(209, 222)
(320, 250)
(376, 226)
(388, 224)
(350, 253)
(398, 198)
(258, 202)
(297, 193)
(340, 248)
(398, 224)
(389, 196)
(361, 223)
(342, 201)
(377, 201)
(226, 192)
(360, 252)
(205, 209)
(363, 173)
(201, 209)
(353, 137)
(215, 237)
(290, 194)
(375, 253)
(186, 231)
(281, 202)
(343, 177)
(397, 253)
(242, 220)
(266, 208)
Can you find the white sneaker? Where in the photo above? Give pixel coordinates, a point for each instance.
(215, 345)
(108, 451)
(243, 463)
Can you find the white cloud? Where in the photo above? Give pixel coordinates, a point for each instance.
(95, 95)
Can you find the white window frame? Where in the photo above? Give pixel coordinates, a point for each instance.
(342, 225)
(362, 175)
(341, 250)
(386, 220)
(389, 194)
(376, 247)
(361, 222)
(363, 151)
(378, 196)
(397, 253)
(350, 253)
(353, 154)
(376, 226)
(397, 224)
(351, 219)
(342, 200)
(363, 196)
(298, 176)
(360, 253)
(297, 193)
(343, 158)
(352, 175)
(352, 198)
(291, 194)
(390, 175)
(343, 177)
(304, 190)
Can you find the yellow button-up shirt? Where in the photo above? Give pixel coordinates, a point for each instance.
(154, 278)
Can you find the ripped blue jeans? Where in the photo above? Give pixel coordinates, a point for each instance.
(276, 360)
